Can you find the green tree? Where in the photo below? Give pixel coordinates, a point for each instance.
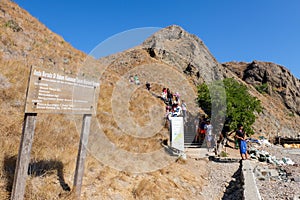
(235, 103)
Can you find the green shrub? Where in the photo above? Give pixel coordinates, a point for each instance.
(13, 25)
(263, 88)
(240, 106)
(223, 154)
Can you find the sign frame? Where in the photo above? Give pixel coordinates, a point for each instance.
(30, 118)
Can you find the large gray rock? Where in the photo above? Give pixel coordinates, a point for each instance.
(186, 51)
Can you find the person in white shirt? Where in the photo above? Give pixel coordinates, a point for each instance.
(209, 135)
(177, 111)
(184, 108)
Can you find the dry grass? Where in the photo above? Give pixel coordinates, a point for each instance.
(55, 145)
(56, 139)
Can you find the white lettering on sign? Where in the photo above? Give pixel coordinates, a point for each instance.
(37, 73)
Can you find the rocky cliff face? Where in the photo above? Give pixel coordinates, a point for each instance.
(187, 52)
(279, 92)
(278, 81)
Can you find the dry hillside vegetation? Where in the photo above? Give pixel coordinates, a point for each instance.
(24, 41)
(125, 158)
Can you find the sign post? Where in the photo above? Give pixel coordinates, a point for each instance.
(23, 156)
(54, 93)
(81, 154)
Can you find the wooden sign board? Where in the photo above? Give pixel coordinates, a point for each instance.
(54, 92)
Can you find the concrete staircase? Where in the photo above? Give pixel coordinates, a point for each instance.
(189, 136)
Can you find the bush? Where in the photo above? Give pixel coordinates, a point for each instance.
(240, 106)
(13, 25)
(223, 154)
(263, 88)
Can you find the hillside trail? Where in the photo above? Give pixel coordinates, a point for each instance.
(132, 128)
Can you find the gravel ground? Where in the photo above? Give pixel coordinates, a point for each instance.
(223, 182)
(286, 187)
(224, 179)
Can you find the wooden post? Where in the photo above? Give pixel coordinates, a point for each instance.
(22, 164)
(82, 154)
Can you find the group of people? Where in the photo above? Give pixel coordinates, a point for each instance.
(205, 133)
(175, 107)
(239, 138)
(134, 79)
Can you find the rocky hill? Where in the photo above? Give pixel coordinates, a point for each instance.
(274, 85)
(279, 82)
(129, 125)
(278, 91)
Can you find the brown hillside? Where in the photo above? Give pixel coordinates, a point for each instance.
(25, 42)
(125, 158)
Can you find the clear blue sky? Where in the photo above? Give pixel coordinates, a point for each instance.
(233, 30)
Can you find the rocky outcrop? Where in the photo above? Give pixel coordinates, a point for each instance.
(278, 91)
(277, 80)
(187, 52)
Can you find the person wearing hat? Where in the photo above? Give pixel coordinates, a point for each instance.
(241, 137)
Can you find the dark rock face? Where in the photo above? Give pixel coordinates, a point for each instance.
(277, 89)
(281, 83)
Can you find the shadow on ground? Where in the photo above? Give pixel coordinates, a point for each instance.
(234, 190)
(39, 168)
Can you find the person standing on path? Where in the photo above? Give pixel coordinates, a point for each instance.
(184, 109)
(241, 138)
(201, 131)
(136, 79)
(209, 135)
(169, 96)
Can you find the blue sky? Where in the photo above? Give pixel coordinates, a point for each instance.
(233, 30)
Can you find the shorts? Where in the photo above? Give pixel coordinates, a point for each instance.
(209, 138)
(243, 147)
